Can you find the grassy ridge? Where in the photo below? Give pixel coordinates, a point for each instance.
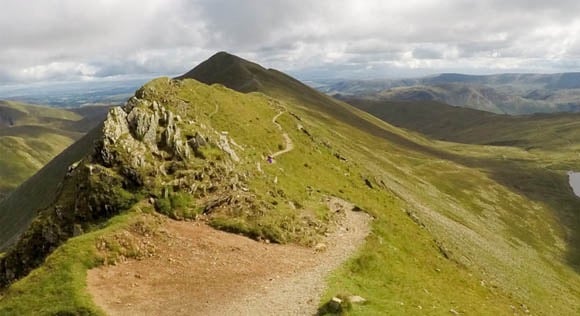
(61, 281)
(484, 205)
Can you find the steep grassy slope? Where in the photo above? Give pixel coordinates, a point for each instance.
(458, 228)
(18, 209)
(30, 136)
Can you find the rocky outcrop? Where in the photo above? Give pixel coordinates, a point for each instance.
(143, 152)
(141, 129)
(172, 139)
(114, 127)
(143, 123)
(224, 144)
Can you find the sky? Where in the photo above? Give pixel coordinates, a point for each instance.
(68, 40)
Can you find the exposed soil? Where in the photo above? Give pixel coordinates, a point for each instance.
(289, 145)
(202, 271)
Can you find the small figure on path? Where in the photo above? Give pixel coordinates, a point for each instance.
(270, 159)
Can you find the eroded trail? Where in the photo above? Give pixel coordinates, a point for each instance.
(202, 271)
(289, 145)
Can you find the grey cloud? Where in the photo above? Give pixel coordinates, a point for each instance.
(427, 53)
(67, 39)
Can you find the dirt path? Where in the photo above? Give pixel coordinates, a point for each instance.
(289, 145)
(215, 110)
(202, 271)
(275, 118)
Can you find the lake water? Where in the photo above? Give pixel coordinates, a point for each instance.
(575, 182)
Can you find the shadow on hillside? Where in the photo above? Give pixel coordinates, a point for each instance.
(544, 186)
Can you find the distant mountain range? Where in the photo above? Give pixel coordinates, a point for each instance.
(502, 93)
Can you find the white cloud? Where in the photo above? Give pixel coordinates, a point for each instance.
(68, 39)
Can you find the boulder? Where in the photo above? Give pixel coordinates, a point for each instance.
(115, 125)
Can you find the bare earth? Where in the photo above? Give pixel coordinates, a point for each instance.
(202, 271)
(287, 140)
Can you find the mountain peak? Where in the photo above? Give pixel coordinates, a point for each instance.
(225, 58)
(227, 69)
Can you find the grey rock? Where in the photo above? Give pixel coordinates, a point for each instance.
(114, 127)
(200, 139)
(196, 141)
(224, 145)
(355, 299)
(172, 140)
(143, 124)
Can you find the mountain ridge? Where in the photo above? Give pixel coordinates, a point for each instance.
(447, 216)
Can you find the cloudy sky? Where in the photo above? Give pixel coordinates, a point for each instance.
(49, 40)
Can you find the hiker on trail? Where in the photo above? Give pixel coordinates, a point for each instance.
(270, 159)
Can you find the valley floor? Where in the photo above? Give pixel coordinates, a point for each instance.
(198, 270)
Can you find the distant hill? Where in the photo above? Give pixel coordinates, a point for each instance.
(31, 136)
(549, 131)
(502, 94)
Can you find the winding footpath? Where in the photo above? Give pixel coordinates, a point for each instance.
(215, 110)
(287, 140)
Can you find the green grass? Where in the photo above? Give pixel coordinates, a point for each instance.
(178, 205)
(59, 286)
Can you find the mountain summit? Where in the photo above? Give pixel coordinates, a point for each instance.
(232, 71)
(242, 75)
